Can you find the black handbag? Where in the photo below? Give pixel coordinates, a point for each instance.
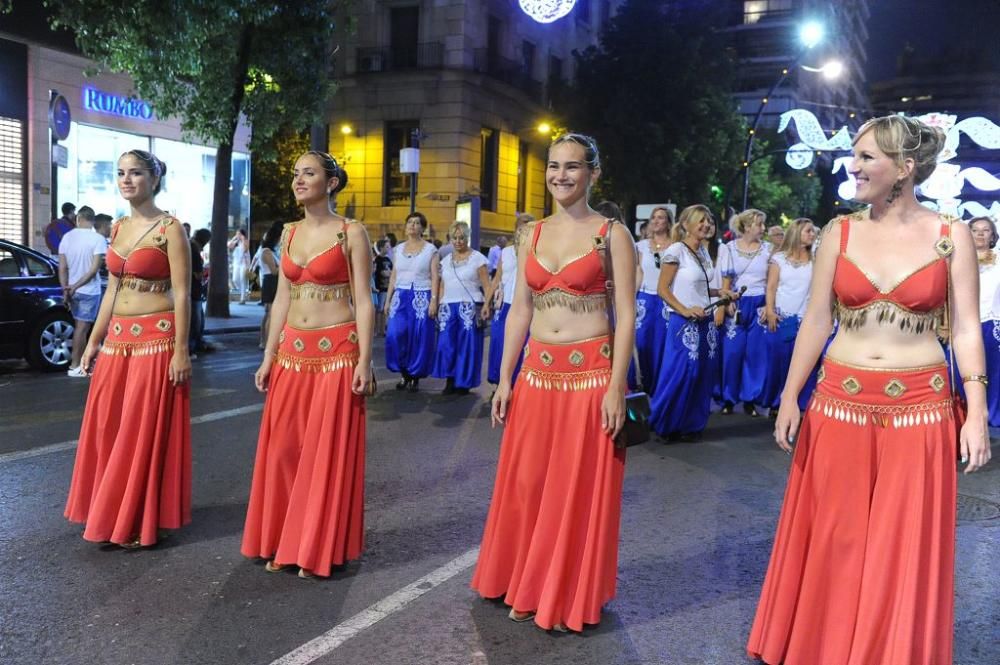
(637, 406)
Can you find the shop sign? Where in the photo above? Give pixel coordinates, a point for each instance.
(120, 105)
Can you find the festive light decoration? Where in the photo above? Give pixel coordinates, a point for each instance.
(945, 184)
(547, 11)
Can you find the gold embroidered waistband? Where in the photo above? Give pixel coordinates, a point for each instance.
(887, 312)
(593, 302)
(566, 381)
(883, 415)
(314, 291)
(143, 348)
(316, 365)
(144, 285)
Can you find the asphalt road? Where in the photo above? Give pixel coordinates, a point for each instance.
(698, 520)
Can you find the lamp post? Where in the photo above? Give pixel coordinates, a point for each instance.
(810, 35)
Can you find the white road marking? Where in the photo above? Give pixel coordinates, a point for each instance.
(70, 445)
(333, 638)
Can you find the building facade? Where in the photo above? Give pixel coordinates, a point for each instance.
(62, 131)
(473, 80)
(766, 38)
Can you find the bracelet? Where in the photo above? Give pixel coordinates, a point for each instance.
(979, 378)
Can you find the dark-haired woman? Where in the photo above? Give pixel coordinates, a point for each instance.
(132, 475)
(266, 262)
(307, 498)
(984, 234)
(550, 545)
(651, 313)
(411, 306)
(464, 281)
(863, 565)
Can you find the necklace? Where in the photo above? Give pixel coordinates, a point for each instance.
(988, 258)
(658, 246)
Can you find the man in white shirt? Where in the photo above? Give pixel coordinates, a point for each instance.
(81, 255)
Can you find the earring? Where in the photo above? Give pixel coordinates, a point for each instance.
(894, 193)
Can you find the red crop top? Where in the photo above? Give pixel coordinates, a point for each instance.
(144, 268)
(583, 275)
(327, 267)
(913, 302)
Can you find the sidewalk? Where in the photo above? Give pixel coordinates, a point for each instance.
(242, 318)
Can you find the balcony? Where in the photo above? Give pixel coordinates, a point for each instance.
(511, 72)
(394, 59)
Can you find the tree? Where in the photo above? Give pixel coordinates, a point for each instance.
(271, 198)
(782, 190)
(208, 64)
(656, 94)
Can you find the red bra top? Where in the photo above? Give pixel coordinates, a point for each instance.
(327, 267)
(923, 290)
(145, 262)
(582, 276)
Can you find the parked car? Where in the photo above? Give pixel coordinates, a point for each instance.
(34, 322)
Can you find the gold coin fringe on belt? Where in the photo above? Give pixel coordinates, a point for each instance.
(317, 365)
(566, 381)
(147, 348)
(888, 415)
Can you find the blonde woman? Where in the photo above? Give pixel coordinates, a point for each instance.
(651, 313)
(743, 263)
(683, 393)
(984, 234)
(863, 565)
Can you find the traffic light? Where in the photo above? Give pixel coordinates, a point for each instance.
(717, 193)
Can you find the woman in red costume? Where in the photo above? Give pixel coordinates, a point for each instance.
(862, 570)
(132, 474)
(307, 498)
(550, 545)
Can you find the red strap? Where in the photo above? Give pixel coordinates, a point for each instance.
(945, 229)
(845, 230)
(534, 236)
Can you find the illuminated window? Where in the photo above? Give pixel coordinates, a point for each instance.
(11, 179)
(756, 10)
(396, 185)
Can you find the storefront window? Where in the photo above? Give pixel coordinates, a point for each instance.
(187, 188)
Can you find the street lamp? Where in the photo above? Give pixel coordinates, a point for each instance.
(810, 34)
(830, 70)
(544, 128)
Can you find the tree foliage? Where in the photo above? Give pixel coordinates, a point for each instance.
(271, 198)
(656, 95)
(208, 63)
(779, 190)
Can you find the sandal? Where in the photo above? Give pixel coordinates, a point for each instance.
(131, 544)
(520, 617)
(273, 567)
(305, 574)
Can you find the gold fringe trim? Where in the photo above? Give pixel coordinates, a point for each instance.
(323, 292)
(144, 285)
(566, 381)
(889, 313)
(148, 348)
(594, 302)
(890, 415)
(317, 365)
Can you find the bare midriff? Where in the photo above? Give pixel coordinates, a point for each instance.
(326, 305)
(560, 324)
(878, 345)
(133, 300)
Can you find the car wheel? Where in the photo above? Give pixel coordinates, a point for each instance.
(50, 345)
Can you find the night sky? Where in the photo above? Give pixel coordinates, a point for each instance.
(930, 26)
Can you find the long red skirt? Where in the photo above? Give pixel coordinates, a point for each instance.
(132, 473)
(551, 539)
(308, 493)
(862, 570)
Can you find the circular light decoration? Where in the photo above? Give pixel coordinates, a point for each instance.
(546, 11)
